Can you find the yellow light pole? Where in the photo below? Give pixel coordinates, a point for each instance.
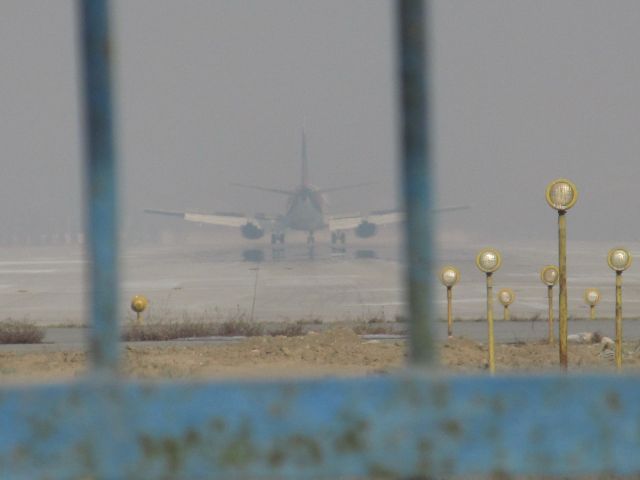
(138, 304)
(449, 276)
(561, 195)
(592, 298)
(619, 259)
(549, 276)
(488, 261)
(506, 297)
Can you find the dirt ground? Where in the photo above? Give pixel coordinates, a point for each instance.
(334, 352)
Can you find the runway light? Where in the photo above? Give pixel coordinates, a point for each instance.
(449, 276)
(488, 261)
(506, 297)
(139, 304)
(592, 298)
(549, 276)
(619, 259)
(561, 195)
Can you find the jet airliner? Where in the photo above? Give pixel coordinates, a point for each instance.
(305, 211)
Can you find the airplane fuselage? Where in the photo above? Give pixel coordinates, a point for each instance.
(305, 210)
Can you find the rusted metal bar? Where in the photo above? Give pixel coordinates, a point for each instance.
(449, 312)
(550, 314)
(563, 331)
(101, 226)
(618, 320)
(416, 171)
(399, 426)
(491, 338)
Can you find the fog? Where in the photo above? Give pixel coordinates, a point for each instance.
(210, 93)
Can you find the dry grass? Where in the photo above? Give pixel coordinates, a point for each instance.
(288, 330)
(155, 332)
(14, 331)
(239, 327)
(374, 328)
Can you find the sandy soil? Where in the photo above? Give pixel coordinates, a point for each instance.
(334, 352)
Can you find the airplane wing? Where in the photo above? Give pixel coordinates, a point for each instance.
(381, 217)
(223, 219)
(352, 221)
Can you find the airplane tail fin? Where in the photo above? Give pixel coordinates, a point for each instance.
(304, 180)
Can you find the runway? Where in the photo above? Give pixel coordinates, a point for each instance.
(216, 280)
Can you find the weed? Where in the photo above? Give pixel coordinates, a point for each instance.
(167, 331)
(288, 330)
(14, 331)
(375, 328)
(239, 327)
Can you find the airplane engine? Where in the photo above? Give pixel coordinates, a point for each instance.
(366, 229)
(251, 231)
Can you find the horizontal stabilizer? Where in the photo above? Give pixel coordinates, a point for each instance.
(264, 189)
(346, 187)
(450, 209)
(165, 212)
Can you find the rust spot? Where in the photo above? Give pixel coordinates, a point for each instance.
(240, 451)
(276, 458)
(612, 399)
(170, 449)
(298, 449)
(440, 395)
(424, 455)
(172, 453)
(192, 438)
(305, 450)
(377, 470)
(217, 425)
(353, 439)
(452, 428)
(498, 406)
(500, 475)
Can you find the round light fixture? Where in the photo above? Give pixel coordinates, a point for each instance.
(506, 296)
(592, 296)
(549, 275)
(488, 260)
(449, 276)
(619, 259)
(139, 303)
(561, 194)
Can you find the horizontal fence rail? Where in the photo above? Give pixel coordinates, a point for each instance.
(397, 426)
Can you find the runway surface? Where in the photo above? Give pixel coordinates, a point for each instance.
(220, 279)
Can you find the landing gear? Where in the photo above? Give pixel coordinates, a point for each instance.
(277, 245)
(311, 239)
(277, 238)
(338, 241)
(338, 237)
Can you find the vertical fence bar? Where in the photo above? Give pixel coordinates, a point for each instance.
(414, 129)
(101, 223)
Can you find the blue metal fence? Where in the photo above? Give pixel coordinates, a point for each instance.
(418, 422)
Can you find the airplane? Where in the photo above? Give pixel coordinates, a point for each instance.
(305, 211)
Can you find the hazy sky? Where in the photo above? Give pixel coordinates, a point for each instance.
(214, 92)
